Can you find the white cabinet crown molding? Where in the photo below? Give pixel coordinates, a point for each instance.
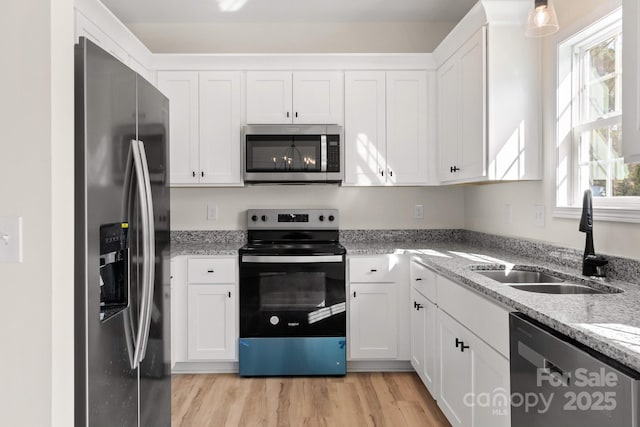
(483, 13)
(293, 62)
(104, 19)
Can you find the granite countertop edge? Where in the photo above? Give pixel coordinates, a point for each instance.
(541, 307)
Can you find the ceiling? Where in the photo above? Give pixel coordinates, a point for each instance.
(261, 11)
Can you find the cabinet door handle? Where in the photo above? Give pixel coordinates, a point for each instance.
(229, 294)
(461, 345)
(193, 173)
(210, 271)
(419, 306)
(418, 279)
(381, 172)
(454, 169)
(354, 294)
(202, 174)
(287, 114)
(373, 270)
(296, 114)
(390, 172)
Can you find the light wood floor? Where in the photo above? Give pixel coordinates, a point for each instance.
(359, 399)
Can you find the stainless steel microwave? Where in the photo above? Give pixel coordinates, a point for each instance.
(293, 154)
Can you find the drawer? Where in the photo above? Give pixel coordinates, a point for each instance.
(374, 269)
(423, 280)
(211, 270)
(485, 318)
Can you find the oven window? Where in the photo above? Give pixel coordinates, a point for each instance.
(292, 291)
(273, 153)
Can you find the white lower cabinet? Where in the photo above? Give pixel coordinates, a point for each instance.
(474, 378)
(373, 321)
(211, 322)
(424, 340)
(204, 303)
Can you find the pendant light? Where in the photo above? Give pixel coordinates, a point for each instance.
(542, 20)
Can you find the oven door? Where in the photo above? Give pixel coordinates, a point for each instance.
(292, 296)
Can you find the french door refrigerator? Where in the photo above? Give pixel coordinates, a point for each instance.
(122, 317)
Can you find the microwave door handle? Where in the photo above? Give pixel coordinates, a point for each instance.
(323, 153)
(150, 254)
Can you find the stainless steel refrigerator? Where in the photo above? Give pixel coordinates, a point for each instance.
(122, 306)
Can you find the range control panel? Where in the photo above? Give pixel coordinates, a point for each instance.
(288, 219)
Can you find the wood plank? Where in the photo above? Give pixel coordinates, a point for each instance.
(358, 399)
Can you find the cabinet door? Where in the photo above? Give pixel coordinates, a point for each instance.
(472, 154)
(373, 319)
(490, 378)
(211, 324)
(269, 97)
(424, 341)
(455, 380)
(181, 87)
(365, 127)
(317, 97)
(406, 127)
(220, 127)
(448, 119)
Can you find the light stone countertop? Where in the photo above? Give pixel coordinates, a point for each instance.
(608, 323)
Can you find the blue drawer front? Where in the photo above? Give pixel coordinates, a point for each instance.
(292, 356)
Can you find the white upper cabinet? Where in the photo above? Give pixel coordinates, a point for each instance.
(269, 97)
(365, 128)
(406, 127)
(489, 97)
(181, 87)
(220, 127)
(386, 128)
(205, 115)
(301, 97)
(630, 83)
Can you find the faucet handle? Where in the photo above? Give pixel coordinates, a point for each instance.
(593, 265)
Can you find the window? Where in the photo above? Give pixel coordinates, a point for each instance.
(590, 120)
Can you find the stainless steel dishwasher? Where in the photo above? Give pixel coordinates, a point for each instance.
(556, 381)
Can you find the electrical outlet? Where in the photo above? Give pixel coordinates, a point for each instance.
(10, 239)
(418, 212)
(508, 214)
(538, 215)
(212, 212)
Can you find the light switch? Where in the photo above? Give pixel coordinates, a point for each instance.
(418, 212)
(10, 239)
(212, 212)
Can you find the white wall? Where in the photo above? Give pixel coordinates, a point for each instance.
(485, 205)
(360, 208)
(379, 37)
(36, 117)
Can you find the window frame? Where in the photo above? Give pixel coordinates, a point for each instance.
(567, 202)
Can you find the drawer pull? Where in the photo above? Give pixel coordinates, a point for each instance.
(373, 270)
(418, 279)
(419, 306)
(210, 271)
(461, 345)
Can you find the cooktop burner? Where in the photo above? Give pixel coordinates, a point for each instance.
(293, 232)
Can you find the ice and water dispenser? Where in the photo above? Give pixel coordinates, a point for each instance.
(114, 265)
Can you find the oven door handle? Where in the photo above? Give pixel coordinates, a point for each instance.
(277, 259)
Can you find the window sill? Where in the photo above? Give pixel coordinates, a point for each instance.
(599, 214)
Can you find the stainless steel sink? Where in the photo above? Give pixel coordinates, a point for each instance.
(559, 288)
(519, 276)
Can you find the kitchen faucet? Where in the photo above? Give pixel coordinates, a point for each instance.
(592, 264)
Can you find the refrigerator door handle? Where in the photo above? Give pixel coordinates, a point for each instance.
(150, 255)
(135, 165)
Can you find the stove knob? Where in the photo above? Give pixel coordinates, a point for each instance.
(254, 218)
(274, 320)
(321, 218)
(331, 218)
(264, 218)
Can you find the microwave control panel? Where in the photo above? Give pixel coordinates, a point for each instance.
(333, 153)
